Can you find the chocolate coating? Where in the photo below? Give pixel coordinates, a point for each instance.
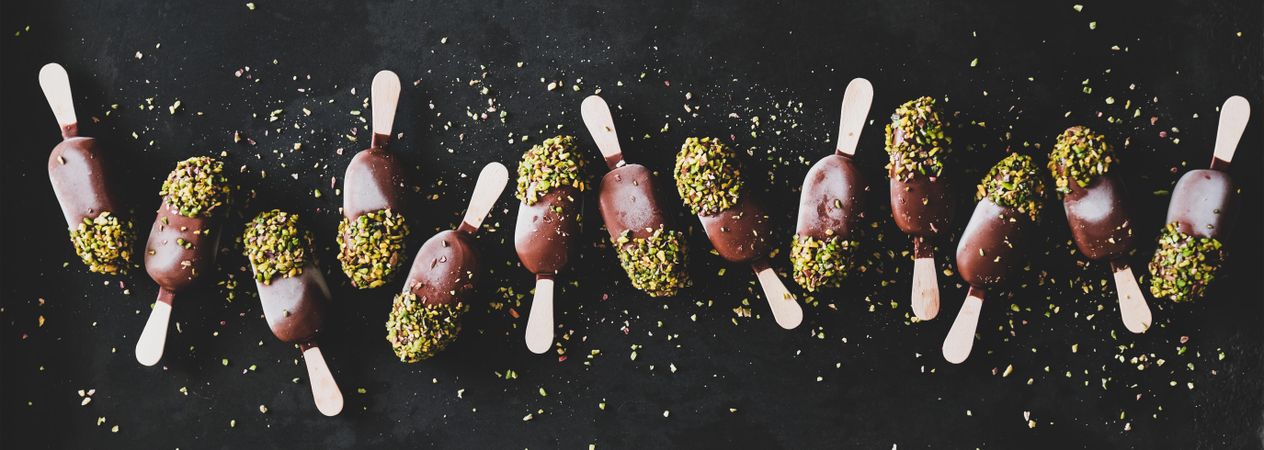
(443, 271)
(173, 266)
(831, 199)
(1099, 221)
(998, 232)
(374, 181)
(295, 306)
(545, 230)
(628, 202)
(739, 234)
(1203, 204)
(79, 182)
(921, 206)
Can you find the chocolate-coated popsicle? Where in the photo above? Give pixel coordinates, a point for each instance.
(426, 316)
(824, 243)
(372, 232)
(1199, 217)
(183, 242)
(920, 201)
(102, 238)
(650, 249)
(550, 179)
(293, 294)
(709, 180)
(1093, 198)
(992, 245)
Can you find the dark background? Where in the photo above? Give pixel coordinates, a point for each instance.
(685, 371)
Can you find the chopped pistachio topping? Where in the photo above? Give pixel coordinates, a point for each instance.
(1184, 265)
(1079, 156)
(418, 331)
(708, 175)
(821, 263)
(655, 264)
(371, 247)
(922, 146)
(275, 246)
(104, 243)
(551, 164)
(1015, 183)
(197, 187)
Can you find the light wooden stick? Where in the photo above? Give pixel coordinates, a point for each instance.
(1233, 117)
(856, 101)
(385, 97)
(785, 308)
(56, 85)
(491, 183)
(961, 336)
(539, 334)
(601, 126)
(925, 288)
(154, 337)
(324, 389)
(1132, 304)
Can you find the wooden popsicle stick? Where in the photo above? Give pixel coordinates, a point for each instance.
(539, 334)
(856, 101)
(56, 86)
(925, 288)
(491, 183)
(384, 99)
(1233, 117)
(961, 336)
(154, 337)
(601, 126)
(785, 308)
(324, 389)
(1132, 304)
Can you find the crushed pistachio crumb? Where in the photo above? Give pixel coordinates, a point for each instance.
(371, 247)
(550, 164)
(708, 176)
(1184, 265)
(656, 263)
(197, 187)
(275, 246)
(821, 263)
(104, 243)
(1015, 182)
(418, 331)
(1079, 156)
(915, 140)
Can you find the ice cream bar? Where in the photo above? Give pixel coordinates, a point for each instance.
(426, 316)
(992, 245)
(824, 244)
(1093, 198)
(918, 147)
(293, 294)
(1190, 252)
(651, 251)
(102, 238)
(709, 180)
(183, 242)
(550, 179)
(373, 228)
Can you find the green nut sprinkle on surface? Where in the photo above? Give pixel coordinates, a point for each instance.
(104, 243)
(655, 264)
(708, 176)
(821, 263)
(197, 187)
(551, 164)
(275, 246)
(1184, 265)
(371, 247)
(924, 146)
(1079, 156)
(1015, 183)
(418, 331)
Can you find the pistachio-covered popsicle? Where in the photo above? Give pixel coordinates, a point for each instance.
(920, 202)
(373, 228)
(183, 242)
(101, 236)
(426, 316)
(650, 249)
(1093, 198)
(993, 244)
(709, 180)
(550, 179)
(293, 294)
(1191, 251)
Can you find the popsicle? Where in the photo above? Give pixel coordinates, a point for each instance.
(426, 316)
(183, 242)
(1093, 198)
(102, 238)
(918, 148)
(992, 245)
(1200, 215)
(650, 249)
(550, 179)
(709, 180)
(293, 294)
(372, 232)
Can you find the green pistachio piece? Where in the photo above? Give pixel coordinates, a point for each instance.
(655, 264)
(371, 247)
(417, 330)
(708, 175)
(821, 263)
(1184, 265)
(1079, 156)
(275, 246)
(104, 243)
(1015, 182)
(922, 147)
(551, 164)
(197, 187)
